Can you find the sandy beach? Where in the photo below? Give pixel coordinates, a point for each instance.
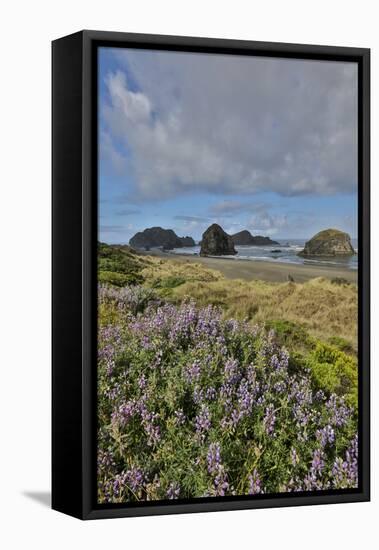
(249, 270)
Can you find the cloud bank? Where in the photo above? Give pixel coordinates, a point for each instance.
(183, 123)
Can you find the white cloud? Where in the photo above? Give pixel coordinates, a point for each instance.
(231, 207)
(268, 224)
(196, 219)
(108, 151)
(237, 125)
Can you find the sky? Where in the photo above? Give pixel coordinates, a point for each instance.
(257, 143)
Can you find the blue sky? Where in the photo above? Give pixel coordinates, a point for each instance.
(263, 144)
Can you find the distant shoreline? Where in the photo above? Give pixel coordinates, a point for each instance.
(249, 270)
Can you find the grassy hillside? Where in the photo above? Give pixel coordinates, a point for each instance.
(325, 309)
(119, 265)
(316, 320)
(321, 308)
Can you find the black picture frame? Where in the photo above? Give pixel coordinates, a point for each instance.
(74, 206)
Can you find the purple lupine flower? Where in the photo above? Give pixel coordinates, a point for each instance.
(117, 485)
(339, 413)
(294, 457)
(157, 359)
(198, 395)
(142, 382)
(317, 462)
(114, 392)
(252, 387)
(180, 417)
(245, 397)
(132, 298)
(345, 472)
(226, 390)
(284, 358)
(269, 420)
(325, 435)
(105, 459)
(255, 484)
(279, 387)
(225, 423)
(233, 325)
(261, 400)
(220, 483)
(231, 373)
(152, 430)
(203, 420)
(251, 375)
(192, 372)
(310, 482)
(124, 413)
(301, 415)
(214, 458)
(135, 478)
(210, 394)
(145, 342)
(275, 362)
(228, 404)
(173, 491)
(267, 347)
(107, 354)
(235, 417)
(293, 485)
(319, 396)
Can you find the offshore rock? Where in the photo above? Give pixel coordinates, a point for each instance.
(216, 242)
(330, 242)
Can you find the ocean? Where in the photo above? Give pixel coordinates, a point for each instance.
(288, 254)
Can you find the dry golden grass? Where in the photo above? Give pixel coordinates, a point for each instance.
(159, 268)
(322, 308)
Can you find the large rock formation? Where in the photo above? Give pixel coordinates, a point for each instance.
(216, 242)
(330, 242)
(246, 238)
(187, 241)
(156, 237)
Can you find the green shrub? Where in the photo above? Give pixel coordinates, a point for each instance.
(342, 344)
(289, 334)
(118, 265)
(334, 371)
(168, 282)
(119, 258)
(119, 279)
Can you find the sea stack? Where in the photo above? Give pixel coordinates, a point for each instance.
(156, 237)
(328, 243)
(187, 241)
(216, 242)
(246, 238)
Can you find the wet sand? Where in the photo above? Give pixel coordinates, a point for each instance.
(249, 270)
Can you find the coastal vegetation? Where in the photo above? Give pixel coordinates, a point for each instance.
(210, 386)
(227, 361)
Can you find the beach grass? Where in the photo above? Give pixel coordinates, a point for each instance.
(324, 308)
